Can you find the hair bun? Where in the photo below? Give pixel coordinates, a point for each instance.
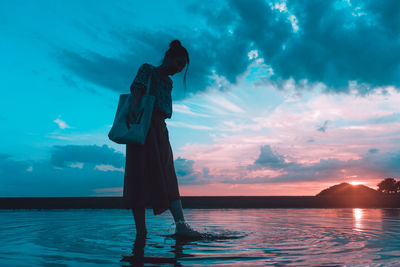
(175, 43)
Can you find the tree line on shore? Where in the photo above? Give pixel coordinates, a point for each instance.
(389, 186)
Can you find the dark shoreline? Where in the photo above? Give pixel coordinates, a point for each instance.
(217, 202)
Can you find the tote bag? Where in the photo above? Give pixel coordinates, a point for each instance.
(137, 133)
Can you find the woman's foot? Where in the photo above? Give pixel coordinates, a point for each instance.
(183, 229)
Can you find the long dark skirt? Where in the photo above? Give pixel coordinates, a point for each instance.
(150, 177)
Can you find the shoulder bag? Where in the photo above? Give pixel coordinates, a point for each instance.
(138, 129)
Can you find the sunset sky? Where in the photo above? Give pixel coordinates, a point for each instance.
(283, 98)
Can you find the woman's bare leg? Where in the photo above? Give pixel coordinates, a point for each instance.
(139, 214)
(182, 227)
(176, 210)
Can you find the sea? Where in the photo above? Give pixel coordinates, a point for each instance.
(232, 237)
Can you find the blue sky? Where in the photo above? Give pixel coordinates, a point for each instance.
(284, 97)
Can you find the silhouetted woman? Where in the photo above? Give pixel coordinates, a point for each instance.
(150, 177)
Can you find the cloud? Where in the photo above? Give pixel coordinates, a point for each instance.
(373, 150)
(216, 56)
(187, 174)
(75, 178)
(334, 46)
(109, 190)
(10, 168)
(69, 81)
(183, 166)
(323, 127)
(270, 159)
(390, 118)
(21, 178)
(99, 155)
(76, 165)
(334, 43)
(116, 73)
(225, 103)
(107, 168)
(293, 148)
(111, 73)
(330, 42)
(184, 109)
(188, 125)
(62, 124)
(74, 170)
(332, 169)
(385, 14)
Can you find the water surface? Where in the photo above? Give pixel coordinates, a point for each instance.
(298, 237)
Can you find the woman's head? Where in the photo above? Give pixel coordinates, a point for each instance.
(176, 58)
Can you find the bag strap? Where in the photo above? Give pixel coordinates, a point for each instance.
(148, 84)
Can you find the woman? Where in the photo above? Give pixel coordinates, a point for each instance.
(150, 177)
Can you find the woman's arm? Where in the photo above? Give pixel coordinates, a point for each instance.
(138, 88)
(136, 95)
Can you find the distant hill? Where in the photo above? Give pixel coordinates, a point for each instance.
(349, 190)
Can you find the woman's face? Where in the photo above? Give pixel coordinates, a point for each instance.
(176, 65)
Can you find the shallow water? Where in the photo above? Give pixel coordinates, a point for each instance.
(252, 237)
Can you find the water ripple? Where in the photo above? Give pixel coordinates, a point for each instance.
(253, 237)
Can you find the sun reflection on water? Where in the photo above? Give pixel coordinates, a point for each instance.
(357, 215)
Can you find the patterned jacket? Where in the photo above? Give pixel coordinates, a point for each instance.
(160, 87)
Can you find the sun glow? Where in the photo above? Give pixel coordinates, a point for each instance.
(357, 215)
(356, 183)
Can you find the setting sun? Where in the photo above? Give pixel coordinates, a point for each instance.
(356, 183)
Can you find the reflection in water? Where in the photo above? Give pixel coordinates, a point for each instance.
(138, 258)
(285, 237)
(357, 215)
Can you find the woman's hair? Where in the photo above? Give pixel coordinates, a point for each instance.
(177, 50)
